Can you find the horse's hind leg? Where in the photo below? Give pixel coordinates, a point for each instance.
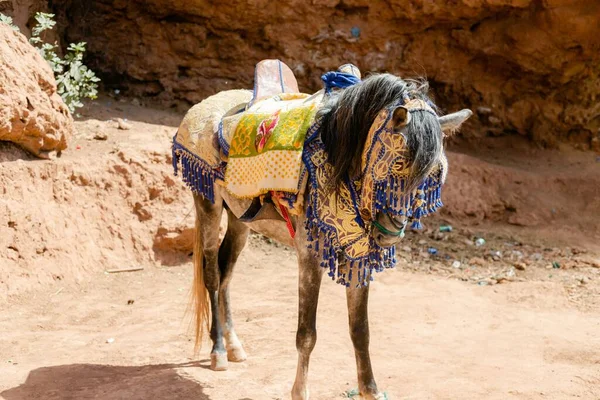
(232, 246)
(210, 216)
(358, 299)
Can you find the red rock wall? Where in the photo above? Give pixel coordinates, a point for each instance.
(526, 66)
(32, 113)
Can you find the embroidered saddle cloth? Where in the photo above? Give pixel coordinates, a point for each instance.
(264, 145)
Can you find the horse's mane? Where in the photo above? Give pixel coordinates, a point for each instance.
(347, 116)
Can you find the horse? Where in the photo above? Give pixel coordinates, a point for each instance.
(346, 116)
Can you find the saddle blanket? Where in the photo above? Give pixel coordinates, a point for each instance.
(266, 143)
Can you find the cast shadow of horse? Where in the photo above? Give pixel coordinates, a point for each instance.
(108, 382)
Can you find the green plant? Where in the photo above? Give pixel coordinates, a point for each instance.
(74, 80)
(5, 19)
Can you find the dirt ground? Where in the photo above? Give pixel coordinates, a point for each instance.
(432, 338)
(515, 318)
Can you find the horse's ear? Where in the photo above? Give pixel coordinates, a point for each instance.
(400, 117)
(451, 122)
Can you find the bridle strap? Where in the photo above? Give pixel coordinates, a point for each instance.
(386, 231)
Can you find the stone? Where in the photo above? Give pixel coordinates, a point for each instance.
(520, 266)
(32, 114)
(123, 125)
(589, 260)
(478, 261)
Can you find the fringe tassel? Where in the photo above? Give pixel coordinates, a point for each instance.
(427, 199)
(323, 239)
(198, 175)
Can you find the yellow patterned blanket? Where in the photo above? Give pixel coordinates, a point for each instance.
(266, 143)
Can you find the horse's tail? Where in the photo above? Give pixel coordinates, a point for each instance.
(199, 292)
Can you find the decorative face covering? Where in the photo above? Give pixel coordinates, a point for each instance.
(339, 224)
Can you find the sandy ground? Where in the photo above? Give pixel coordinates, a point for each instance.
(504, 324)
(432, 338)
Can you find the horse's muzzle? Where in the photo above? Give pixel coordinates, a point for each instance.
(388, 230)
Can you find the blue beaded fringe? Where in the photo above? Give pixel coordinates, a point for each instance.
(197, 174)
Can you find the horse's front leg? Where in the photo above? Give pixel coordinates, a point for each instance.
(306, 337)
(358, 313)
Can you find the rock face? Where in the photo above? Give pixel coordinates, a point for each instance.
(526, 66)
(32, 114)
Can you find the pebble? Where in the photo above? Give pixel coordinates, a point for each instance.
(438, 236)
(536, 256)
(123, 125)
(594, 262)
(479, 242)
(100, 136)
(520, 266)
(477, 261)
(456, 264)
(432, 250)
(516, 254)
(110, 340)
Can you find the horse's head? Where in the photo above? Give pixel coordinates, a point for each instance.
(386, 134)
(413, 138)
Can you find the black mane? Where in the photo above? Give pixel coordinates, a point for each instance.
(348, 115)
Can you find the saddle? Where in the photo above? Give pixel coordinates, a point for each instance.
(272, 77)
(275, 80)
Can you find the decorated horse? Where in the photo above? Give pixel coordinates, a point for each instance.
(338, 175)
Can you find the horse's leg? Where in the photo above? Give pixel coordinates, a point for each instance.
(210, 216)
(358, 299)
(232, 246)
(308, 292)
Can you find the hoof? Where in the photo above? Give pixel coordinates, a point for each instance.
(378, 396)
(218, 361)
(300, 394)
(236, 354)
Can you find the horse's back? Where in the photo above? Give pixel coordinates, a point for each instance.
(197, 132)
(208, 112)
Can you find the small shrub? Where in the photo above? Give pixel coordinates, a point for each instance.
(5, 19)
(74, 80)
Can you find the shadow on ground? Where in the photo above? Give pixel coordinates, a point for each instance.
(107, 382)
